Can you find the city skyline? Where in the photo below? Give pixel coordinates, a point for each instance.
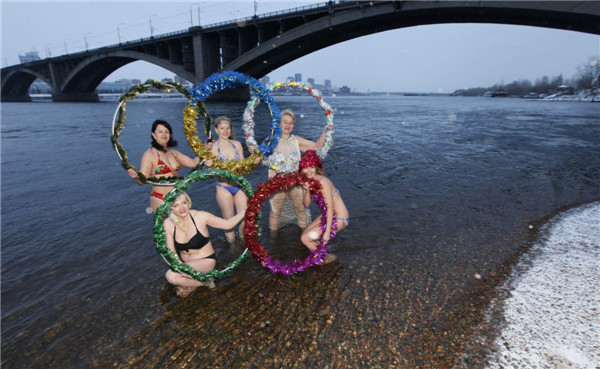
(429, 58)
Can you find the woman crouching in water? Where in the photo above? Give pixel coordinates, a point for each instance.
(311, 167)
(188, 236)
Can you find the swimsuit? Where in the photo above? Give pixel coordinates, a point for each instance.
(157, 195)
(285, 158)
(223, 157)
(197, 242)
(345, 221)
(232, 189)
(163, 168)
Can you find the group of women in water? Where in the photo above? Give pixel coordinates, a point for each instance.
(187, 229)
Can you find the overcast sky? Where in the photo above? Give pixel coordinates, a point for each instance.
(433, 58)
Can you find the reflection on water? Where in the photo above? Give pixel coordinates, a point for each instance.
(441, 192)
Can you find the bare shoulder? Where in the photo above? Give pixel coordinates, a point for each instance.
(168, 224)
(148, 154)
(326, 181)
(200, 215)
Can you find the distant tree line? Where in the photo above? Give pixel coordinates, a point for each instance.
(587, 79)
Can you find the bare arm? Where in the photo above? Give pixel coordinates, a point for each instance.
(326, 192)
(306, 191)
(169, 229)
(306, 145)
(220, 223)
(145, 168)
(186, 161)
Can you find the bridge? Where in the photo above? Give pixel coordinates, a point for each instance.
(258, 45)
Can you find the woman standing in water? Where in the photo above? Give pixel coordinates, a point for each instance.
(311, 166)
(230, 196)
(286, 158)
(188, 237)
(161, 161)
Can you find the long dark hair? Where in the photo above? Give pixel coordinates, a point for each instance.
(171, 143)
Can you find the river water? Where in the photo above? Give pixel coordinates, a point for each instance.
(446, 196)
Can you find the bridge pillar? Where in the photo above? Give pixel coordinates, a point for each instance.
(75, 97)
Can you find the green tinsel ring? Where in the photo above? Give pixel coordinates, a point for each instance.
(119, 123)
(160, 235)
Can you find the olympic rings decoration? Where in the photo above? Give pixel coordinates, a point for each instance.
(248, 126)
(218, 82)
(252, 225)
(119, 123)
(160, 236)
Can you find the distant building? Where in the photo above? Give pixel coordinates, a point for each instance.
(566, 90)
(328, 83)
(29, 57)
(112, 87)
(298, 77)
(265, 80)
(311, 81)
(289, 79)
(344, 90)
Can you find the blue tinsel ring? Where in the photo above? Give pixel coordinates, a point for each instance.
(220, 81)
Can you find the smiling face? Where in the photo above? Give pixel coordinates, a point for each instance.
(223, 129)
(287, 124)
(181, 206)
(161, 135)
(310, 172)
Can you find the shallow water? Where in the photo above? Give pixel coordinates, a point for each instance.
(441, 191)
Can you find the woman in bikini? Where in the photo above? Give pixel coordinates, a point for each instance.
(312, 167)
(160, 161)
(230, 196)
(188, 236)
(286, 158)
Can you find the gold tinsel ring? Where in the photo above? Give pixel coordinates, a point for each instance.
(119, 123)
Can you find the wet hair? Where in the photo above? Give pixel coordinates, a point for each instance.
(172, 216)
(311, 159)
(290, 113)
(171, 143)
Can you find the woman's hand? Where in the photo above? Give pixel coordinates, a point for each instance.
(208, 163)
(132, 173)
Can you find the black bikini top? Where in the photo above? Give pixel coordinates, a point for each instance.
(198, 241)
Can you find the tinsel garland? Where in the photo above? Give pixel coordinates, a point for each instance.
(221, 81)
(249, 124)
(119, 123)
(252, 224)
(160, 236)
(238, 167)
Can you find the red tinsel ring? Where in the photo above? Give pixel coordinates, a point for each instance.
(252, 224)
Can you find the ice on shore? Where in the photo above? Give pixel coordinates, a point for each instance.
(552, 317)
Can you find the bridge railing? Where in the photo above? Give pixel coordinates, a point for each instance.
(267, 15)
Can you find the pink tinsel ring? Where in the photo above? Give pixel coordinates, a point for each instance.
(252, 224)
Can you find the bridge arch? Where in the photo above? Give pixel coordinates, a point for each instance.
(82, 80)
(367, 19)
(17, 83)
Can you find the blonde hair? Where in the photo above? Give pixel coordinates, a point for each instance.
(290, 113)
(225, 119)
(174, 217)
